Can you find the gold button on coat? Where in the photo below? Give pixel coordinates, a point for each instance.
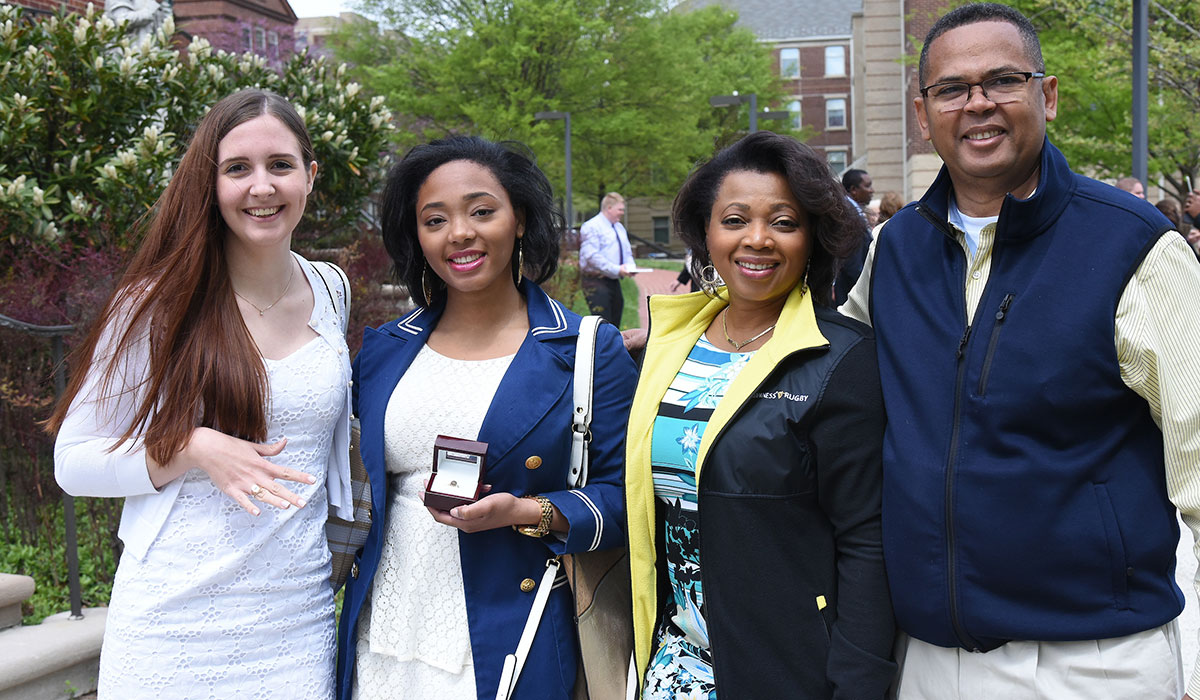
(533, 462)
(527, 585)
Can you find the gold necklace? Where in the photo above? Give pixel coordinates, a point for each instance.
(736, 345)
(281, 296)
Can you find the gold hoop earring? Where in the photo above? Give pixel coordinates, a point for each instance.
(709, 280)
(425, 286)
(520, 264)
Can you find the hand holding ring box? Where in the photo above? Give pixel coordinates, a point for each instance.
(458, 467)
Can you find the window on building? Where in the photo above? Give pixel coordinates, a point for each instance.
(789, 63)
(260, 40)
(246, 45)
(835, 113)
(835, 61)
(793, 109)
(837, 162)
(662, 229)
(272, 45)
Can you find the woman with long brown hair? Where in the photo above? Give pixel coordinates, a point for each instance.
(217, 370)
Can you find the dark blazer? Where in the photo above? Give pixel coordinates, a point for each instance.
(530, 416)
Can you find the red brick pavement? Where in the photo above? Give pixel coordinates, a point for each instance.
(654, 282)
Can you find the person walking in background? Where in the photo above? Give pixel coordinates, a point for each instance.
(604, 258)
(439, 597)
(753, 459)
(859, 192)
(217, 371)
(1036, 341)
(1133, 186)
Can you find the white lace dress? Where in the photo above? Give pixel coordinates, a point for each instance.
(412, 644)
(227, 605)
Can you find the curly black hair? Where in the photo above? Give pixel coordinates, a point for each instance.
(512, 164)
(835, 227)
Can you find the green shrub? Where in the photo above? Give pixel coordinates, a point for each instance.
(91, 125)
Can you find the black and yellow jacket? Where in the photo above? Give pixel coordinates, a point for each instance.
(789, 482)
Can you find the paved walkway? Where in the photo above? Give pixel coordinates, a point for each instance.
(653, 282)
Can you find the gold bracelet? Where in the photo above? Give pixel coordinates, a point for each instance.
(543, 527)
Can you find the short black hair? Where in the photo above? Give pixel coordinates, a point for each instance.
(512, 164)
(852, 178)
(983, 12)
(835, 227)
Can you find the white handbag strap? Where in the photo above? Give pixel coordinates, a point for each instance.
(581, 436)
(581, 417)
(514, 662)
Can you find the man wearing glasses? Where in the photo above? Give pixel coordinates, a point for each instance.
(1035, 338)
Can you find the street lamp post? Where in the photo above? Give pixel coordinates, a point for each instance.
(752, 98)
(565, 116)
(1141, 62)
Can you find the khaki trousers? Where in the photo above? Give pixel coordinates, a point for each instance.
(1142, 666)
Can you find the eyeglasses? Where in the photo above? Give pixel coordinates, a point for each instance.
(998, 89)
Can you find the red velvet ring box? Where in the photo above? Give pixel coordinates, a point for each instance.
(457, 478)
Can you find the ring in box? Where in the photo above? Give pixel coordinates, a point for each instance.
(457, 478)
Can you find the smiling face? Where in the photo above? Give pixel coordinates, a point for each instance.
(758, 237)
(988, 148)
(262, 182)
(467, 228)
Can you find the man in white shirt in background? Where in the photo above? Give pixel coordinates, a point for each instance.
(604, 258)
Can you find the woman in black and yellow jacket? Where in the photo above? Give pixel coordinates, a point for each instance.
(753, 455)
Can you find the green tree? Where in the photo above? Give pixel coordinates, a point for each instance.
(1087, 44)
(635, 78)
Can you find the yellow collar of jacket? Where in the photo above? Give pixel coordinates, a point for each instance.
(677, 322)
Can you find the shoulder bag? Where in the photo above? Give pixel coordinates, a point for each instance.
(599, 580)
(346, 537)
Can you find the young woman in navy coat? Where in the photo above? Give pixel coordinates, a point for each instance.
(438, 598)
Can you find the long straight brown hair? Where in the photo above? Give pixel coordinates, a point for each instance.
(204, 369)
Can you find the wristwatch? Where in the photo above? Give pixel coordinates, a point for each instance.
(543, 527)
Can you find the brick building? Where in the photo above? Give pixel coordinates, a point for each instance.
(812, 42)
(263, 27)
(51, 6)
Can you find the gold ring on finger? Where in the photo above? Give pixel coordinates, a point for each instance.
(256, 491)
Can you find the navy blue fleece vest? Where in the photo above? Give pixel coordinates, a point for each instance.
(1024, 491)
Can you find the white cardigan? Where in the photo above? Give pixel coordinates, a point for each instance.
(84, 466)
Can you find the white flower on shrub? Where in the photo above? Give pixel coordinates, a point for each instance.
(81, 31)
(39, 196)
(200, 47)
(79, 204)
